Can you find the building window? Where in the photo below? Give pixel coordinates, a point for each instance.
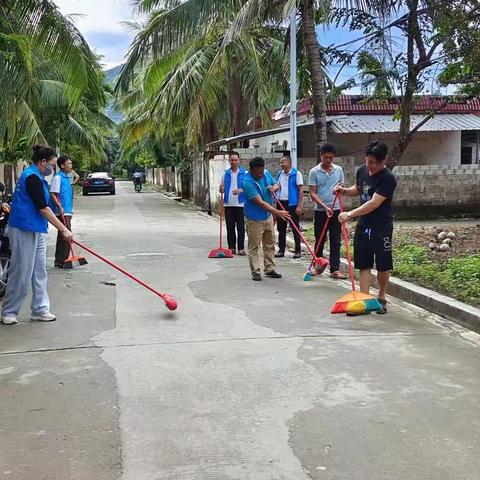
(285, 145)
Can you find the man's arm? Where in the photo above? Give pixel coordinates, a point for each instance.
(300, 199)
(76, 177)
(314, 196)
(266, 206)
(365, 209)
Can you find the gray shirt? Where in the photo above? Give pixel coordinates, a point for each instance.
(325, 182)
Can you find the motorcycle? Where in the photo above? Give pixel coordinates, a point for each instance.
(5, 252)
(137, 182)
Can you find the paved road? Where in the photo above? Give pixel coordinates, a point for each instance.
(245, 381)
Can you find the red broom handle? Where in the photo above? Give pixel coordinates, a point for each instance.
(221, 220)
(292, 223)
(121, 270)
(347, 245)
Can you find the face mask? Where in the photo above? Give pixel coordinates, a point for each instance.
(48, 169)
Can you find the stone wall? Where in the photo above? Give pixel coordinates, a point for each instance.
(441, 188)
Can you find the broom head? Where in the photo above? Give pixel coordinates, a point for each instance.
(220, 253)
(74, 261)
(356, 303)
(320, 265)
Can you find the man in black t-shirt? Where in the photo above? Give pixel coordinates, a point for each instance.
(373, 236)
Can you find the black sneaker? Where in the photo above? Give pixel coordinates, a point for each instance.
(279, 255)
(297, 255)
(256, 277)
(383, 303)
(273, 274)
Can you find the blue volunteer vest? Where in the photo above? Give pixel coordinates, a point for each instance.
(24, 214)
(292, 186)
(65, 195)
(252, 210)
(228, 182)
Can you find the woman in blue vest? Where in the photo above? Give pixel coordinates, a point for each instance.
(61, 195)
(290, 195)
(27, 231)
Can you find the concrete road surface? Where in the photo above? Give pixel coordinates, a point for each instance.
(246, 381)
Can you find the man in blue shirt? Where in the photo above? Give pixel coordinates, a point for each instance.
(61, 195)
(258, 187)
(322, 180)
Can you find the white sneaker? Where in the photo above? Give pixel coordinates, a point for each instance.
(46, 317)
(9, 320)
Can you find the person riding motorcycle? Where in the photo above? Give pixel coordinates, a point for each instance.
(138, 179)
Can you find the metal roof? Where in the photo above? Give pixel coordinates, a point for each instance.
(263, 133)
(386, 123)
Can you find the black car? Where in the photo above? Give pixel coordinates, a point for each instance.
(99, 182)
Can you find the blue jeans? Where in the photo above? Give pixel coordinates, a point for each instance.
(28, 268)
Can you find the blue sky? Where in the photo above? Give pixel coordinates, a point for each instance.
(101, 22)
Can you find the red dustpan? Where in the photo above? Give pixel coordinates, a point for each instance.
(220, 252)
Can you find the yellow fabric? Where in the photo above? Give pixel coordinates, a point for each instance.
(356, 307)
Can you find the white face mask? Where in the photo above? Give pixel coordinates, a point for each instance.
(48, 169)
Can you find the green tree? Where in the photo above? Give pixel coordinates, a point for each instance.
(51, 82)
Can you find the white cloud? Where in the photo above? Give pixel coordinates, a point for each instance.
(98, 16)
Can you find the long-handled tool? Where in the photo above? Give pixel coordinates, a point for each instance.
(220, 252)
(315, 269)
(353, 303)
(73, 260)
(170, 302)
(319, 263)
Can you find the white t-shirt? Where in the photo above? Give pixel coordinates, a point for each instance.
(283, 183)
(55, 188)
(232, 199)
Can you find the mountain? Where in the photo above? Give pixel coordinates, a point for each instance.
(111, 77)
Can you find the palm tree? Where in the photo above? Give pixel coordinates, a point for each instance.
(207, 82)
(191, 19)
(51, 81)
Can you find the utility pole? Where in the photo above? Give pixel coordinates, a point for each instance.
(293, 86)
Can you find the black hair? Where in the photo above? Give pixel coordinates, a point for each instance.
(42, 152)
(328, 148)
(256, 162)
(287, 156)
(233, 152)
(378, 150)
(61, 160)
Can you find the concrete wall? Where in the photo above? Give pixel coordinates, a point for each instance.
(427, 148)
(439, 188)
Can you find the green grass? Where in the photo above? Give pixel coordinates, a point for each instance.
(457, 277)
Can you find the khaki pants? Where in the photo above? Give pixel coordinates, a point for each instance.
(261, 233)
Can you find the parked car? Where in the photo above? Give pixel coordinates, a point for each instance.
(98, 182)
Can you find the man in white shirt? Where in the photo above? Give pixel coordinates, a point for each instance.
(290, 195)
(233, 201)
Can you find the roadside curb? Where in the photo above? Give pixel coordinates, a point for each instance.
(458, 312)
(454, 310)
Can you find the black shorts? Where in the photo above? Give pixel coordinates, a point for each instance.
(373, 248)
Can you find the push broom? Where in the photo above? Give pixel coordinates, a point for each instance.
(169, 301)
(319, 263)
(221, 252)
(73, 260)
(319, 269)
(353, 303)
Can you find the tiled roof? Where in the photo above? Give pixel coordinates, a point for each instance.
(361, 105)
